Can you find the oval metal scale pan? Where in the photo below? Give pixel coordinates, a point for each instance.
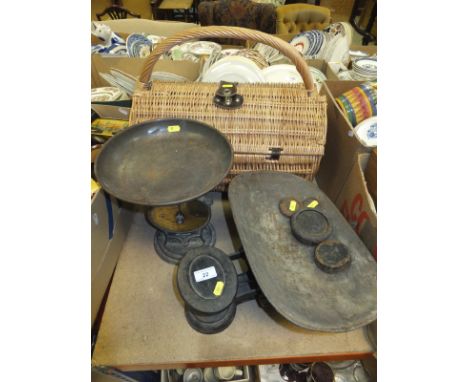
(164, 162)
(284, 267)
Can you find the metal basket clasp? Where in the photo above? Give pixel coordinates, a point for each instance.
(226, 96)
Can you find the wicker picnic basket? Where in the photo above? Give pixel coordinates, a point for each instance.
(279, 127)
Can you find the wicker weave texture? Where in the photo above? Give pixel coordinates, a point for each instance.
(272, 116)
(291, 118)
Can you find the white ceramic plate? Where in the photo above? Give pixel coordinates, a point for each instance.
(124, 80)
(154, 38)
(340, 50)
(105, 94)
(345, 75)
(200, 48)
(367, 131)
(229, 52)
(282, 74)
(317, 74)
(111, 80)
(235, 69)
(166, 76)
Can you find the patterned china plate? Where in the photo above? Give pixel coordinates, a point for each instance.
(302, 43)
(138, 45)
(203, 48)
(285, 73)
(367, 131)
(365, 65)
(105, 94)
(235, 69)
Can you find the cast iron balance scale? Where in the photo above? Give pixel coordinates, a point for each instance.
(308, 262)
(169, 166)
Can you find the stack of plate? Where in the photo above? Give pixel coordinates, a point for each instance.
(106, 94)
(253, 56)
(270, 54)
(138, 45)
(194, 50)
(203, 48)
(168, 77)
(284, 73)
(359, 103)
(250, 54)
(235, 69)
(126, 82)
(309, 43)
(365, 68)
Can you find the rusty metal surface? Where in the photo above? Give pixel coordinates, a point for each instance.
(164, 162)
(284, 268)
(196, 215)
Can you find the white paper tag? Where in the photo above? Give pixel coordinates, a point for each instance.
(205, 274)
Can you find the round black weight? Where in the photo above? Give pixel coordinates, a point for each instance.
(289, 206)
(207, 280)
(310, 226)
(331, 256)
(211, 323)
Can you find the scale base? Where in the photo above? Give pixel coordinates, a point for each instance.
(211, 323)
(171, 247)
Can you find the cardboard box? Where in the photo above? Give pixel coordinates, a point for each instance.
(371, 175)
(356, 204)
(134, 66)
(342, 144)
(159, 28)
(109, 226)
(369, 49)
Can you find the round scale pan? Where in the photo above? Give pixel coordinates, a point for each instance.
(285, 269)
(163, 162)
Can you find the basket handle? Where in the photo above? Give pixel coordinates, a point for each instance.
(226, 32)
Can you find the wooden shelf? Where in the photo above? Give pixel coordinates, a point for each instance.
(144, 327)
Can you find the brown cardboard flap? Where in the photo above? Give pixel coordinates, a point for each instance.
(371, 175)
(108, 231)
(156, 27)
(134, 66)
(99, 231)
(111, 112)
(341, 146)
(357, 206)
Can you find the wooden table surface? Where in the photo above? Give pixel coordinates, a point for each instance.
(144, 327)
